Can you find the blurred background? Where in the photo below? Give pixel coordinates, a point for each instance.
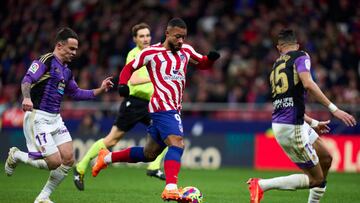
(227, 110)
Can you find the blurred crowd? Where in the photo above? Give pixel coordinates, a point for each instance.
(243, 31)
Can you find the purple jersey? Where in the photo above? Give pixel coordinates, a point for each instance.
(288, 93)
(50, 80)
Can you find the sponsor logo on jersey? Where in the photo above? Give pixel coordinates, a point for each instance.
(283, 103)
(175, 75)
(34, 67)
(61, 87)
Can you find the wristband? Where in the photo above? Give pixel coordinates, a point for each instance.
(314, 123)
(332, 107)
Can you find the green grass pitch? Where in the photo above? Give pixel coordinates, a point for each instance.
(129, 184)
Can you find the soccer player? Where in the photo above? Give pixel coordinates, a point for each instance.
(166, 64)
(48, 141)
(132, 110)
(290, 79)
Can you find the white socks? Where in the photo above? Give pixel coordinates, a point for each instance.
(107, 158)
(315, 194)
(291, 182)
(55, 178)
(171, 186)
(24, 157)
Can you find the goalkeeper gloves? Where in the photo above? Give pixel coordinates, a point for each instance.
(213, 55)
(123, 90)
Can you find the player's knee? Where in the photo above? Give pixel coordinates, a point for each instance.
(110, 142)
(68, 162)
(54, 164)
(113, 138)
(53, 161)
(176, 141)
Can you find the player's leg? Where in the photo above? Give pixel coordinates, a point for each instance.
(104, 143)
(153, 168)
(325, 160)
(15, 155)
(59, 174)
(172, 165)
(125, 120)
(64, 145)
(169, 126)
(294, 140)
(172, 161)
(130, 113)
(109, 141)
(43, 152)
(313, 177)
(130, 155)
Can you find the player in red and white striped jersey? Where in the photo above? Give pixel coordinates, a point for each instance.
(166, 64)
(167, 70)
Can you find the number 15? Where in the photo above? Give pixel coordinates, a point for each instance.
(279, 80)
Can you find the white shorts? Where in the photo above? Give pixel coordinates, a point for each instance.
(296, 141)
(44, 132)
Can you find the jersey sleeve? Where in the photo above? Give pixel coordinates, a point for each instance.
(303, 63)
(203, 62)
(193, 54)
(73, 90)
(140, 60)
(35, 71)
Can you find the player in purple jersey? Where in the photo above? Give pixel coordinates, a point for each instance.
(290, 79)
(47, 138)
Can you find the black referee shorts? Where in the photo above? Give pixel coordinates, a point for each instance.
(132, 110)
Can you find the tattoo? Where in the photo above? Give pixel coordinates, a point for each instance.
(25, 89)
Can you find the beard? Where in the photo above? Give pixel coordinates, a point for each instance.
(173, 48)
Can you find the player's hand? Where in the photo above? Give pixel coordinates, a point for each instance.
(346, 118)
(322, 127)
(107, 84)
(27, 104)
(213, 55)
(123, 90)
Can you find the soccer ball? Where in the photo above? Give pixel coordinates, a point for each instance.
(194, 193)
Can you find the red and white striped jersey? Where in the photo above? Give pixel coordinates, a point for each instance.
(167, 72)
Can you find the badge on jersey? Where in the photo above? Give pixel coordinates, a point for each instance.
(34, 67)
(182, 58)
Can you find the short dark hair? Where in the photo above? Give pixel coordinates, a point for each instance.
(65, 33)
(138, 27)
(286, 36)
(177, 22)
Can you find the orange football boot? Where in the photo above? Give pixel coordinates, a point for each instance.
(100, 163)
(256, 193)
(174, 195)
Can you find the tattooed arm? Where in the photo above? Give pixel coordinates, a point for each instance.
(27, 104)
